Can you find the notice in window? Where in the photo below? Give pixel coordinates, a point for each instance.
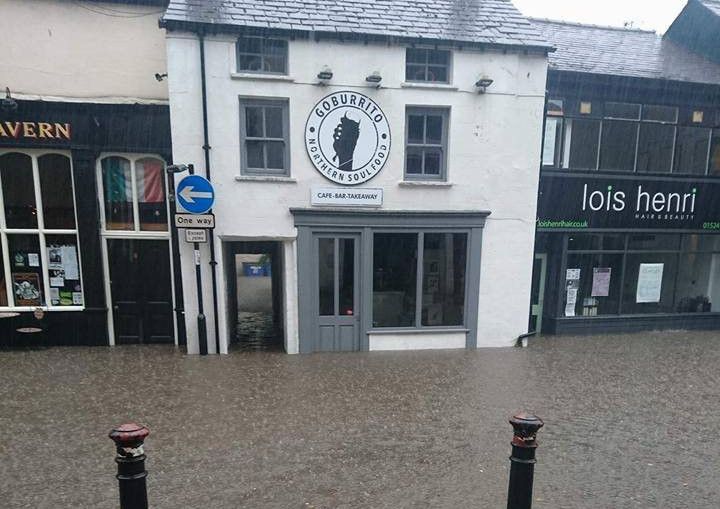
(70, 263)
(601, 282)
(549, 143)
(572, 285)
(572, 274)
(649, 285)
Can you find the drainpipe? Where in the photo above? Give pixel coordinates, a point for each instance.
(206, 150)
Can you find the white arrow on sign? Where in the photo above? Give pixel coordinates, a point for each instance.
(189, 195)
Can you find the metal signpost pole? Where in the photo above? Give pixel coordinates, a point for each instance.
(202, 326)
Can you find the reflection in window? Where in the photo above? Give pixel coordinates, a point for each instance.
(443, 283)
(617, 148)
(715, 153)
(150, 182)
(326, 276)
(117, 190)
(691, 150)
(655, 147)
(261, 54)
(698, 283)
(18, 190)
(56, 191)
(581, 138)
(394, 279)
(26, 270)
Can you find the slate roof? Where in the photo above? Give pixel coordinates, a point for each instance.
(713, 5)
(491, 22)
(624, 52)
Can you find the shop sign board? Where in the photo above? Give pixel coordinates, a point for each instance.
(616, 202)
(195, 235)
(203, 221)
(344, 197)
(195, 194)
(347, 137)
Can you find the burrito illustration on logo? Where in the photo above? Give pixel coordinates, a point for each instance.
(345, 135)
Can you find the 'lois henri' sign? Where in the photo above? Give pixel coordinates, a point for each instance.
(347, 197)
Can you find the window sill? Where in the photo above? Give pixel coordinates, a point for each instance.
(424, 330)
(434, 86)
(260, 76)
(265, 178)
(425, 183)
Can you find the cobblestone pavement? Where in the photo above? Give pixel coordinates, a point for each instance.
(631, 422)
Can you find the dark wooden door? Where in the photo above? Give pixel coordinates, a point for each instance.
(141, 291)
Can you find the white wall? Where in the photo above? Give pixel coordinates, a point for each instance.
(86, 51)
(494, 151)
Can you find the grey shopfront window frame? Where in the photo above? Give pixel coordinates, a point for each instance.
(264, 102)
(444, 113)
(310, 222)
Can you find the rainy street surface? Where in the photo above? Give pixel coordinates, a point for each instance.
(630, 422)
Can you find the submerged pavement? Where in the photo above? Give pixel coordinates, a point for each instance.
(630, 422)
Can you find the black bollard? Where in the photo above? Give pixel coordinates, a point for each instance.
(131, 476)
(522, 461)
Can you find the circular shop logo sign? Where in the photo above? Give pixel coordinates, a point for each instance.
(347, 137)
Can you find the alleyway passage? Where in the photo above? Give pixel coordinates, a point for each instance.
(631, 422)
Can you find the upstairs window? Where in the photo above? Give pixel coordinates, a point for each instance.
(426, 143)
(262, 55)
(427, 65)
(264, 137)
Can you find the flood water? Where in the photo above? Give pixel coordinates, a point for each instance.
(631, 421)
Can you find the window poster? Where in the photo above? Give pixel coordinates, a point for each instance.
(70, 263)
(649, 285)
(548, 153)
(572, 274)
(601, 282)
(33, 260)
(572, 285)
(26, 287)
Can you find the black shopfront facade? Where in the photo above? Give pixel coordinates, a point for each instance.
(628, 224)
(85, 256)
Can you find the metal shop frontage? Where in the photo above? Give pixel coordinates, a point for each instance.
(85, 256)
(626, 253)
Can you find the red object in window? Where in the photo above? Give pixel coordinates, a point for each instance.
(348, 311)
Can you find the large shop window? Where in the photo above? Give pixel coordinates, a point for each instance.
(627, 137)
(39, 262)
(426, 143)
(134, 193)
(641, 273)
(419, 279)
(264, 137)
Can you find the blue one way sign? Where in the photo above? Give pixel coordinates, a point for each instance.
(195, 194)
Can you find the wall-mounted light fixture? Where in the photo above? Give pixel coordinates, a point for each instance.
(8, 103)
(482, 84)
(324, 76)
(374, 79)
(160, 77)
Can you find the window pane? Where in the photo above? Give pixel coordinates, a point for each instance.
(553, 127)
(432, 161)
(440, 57)
(433, 133)
(18, 190)
(56, 191)
(346, 276)
(649, 289)
(652, 241)
(698, 290)
(416, 128)
(582, 136)
(26, 270)
(444, 262)
(659, 113)
(416, 56)
(250, 44)
(276, 47)
(594, 242)
(414, 161)
(150, 181)
(622, 110)
(715, 153)
(254, 122)
(249, 62)
(655, 148)
(273, 122)
(64, 270)
(3, 287)
(437, 73)
(117, 188)
(415, 73)
(617, 150)
(275, 154)
(255, 157)
(274, 63)
(695, 242)
(326, 276)
(394, 279)
(691, 150)
(598, 291)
